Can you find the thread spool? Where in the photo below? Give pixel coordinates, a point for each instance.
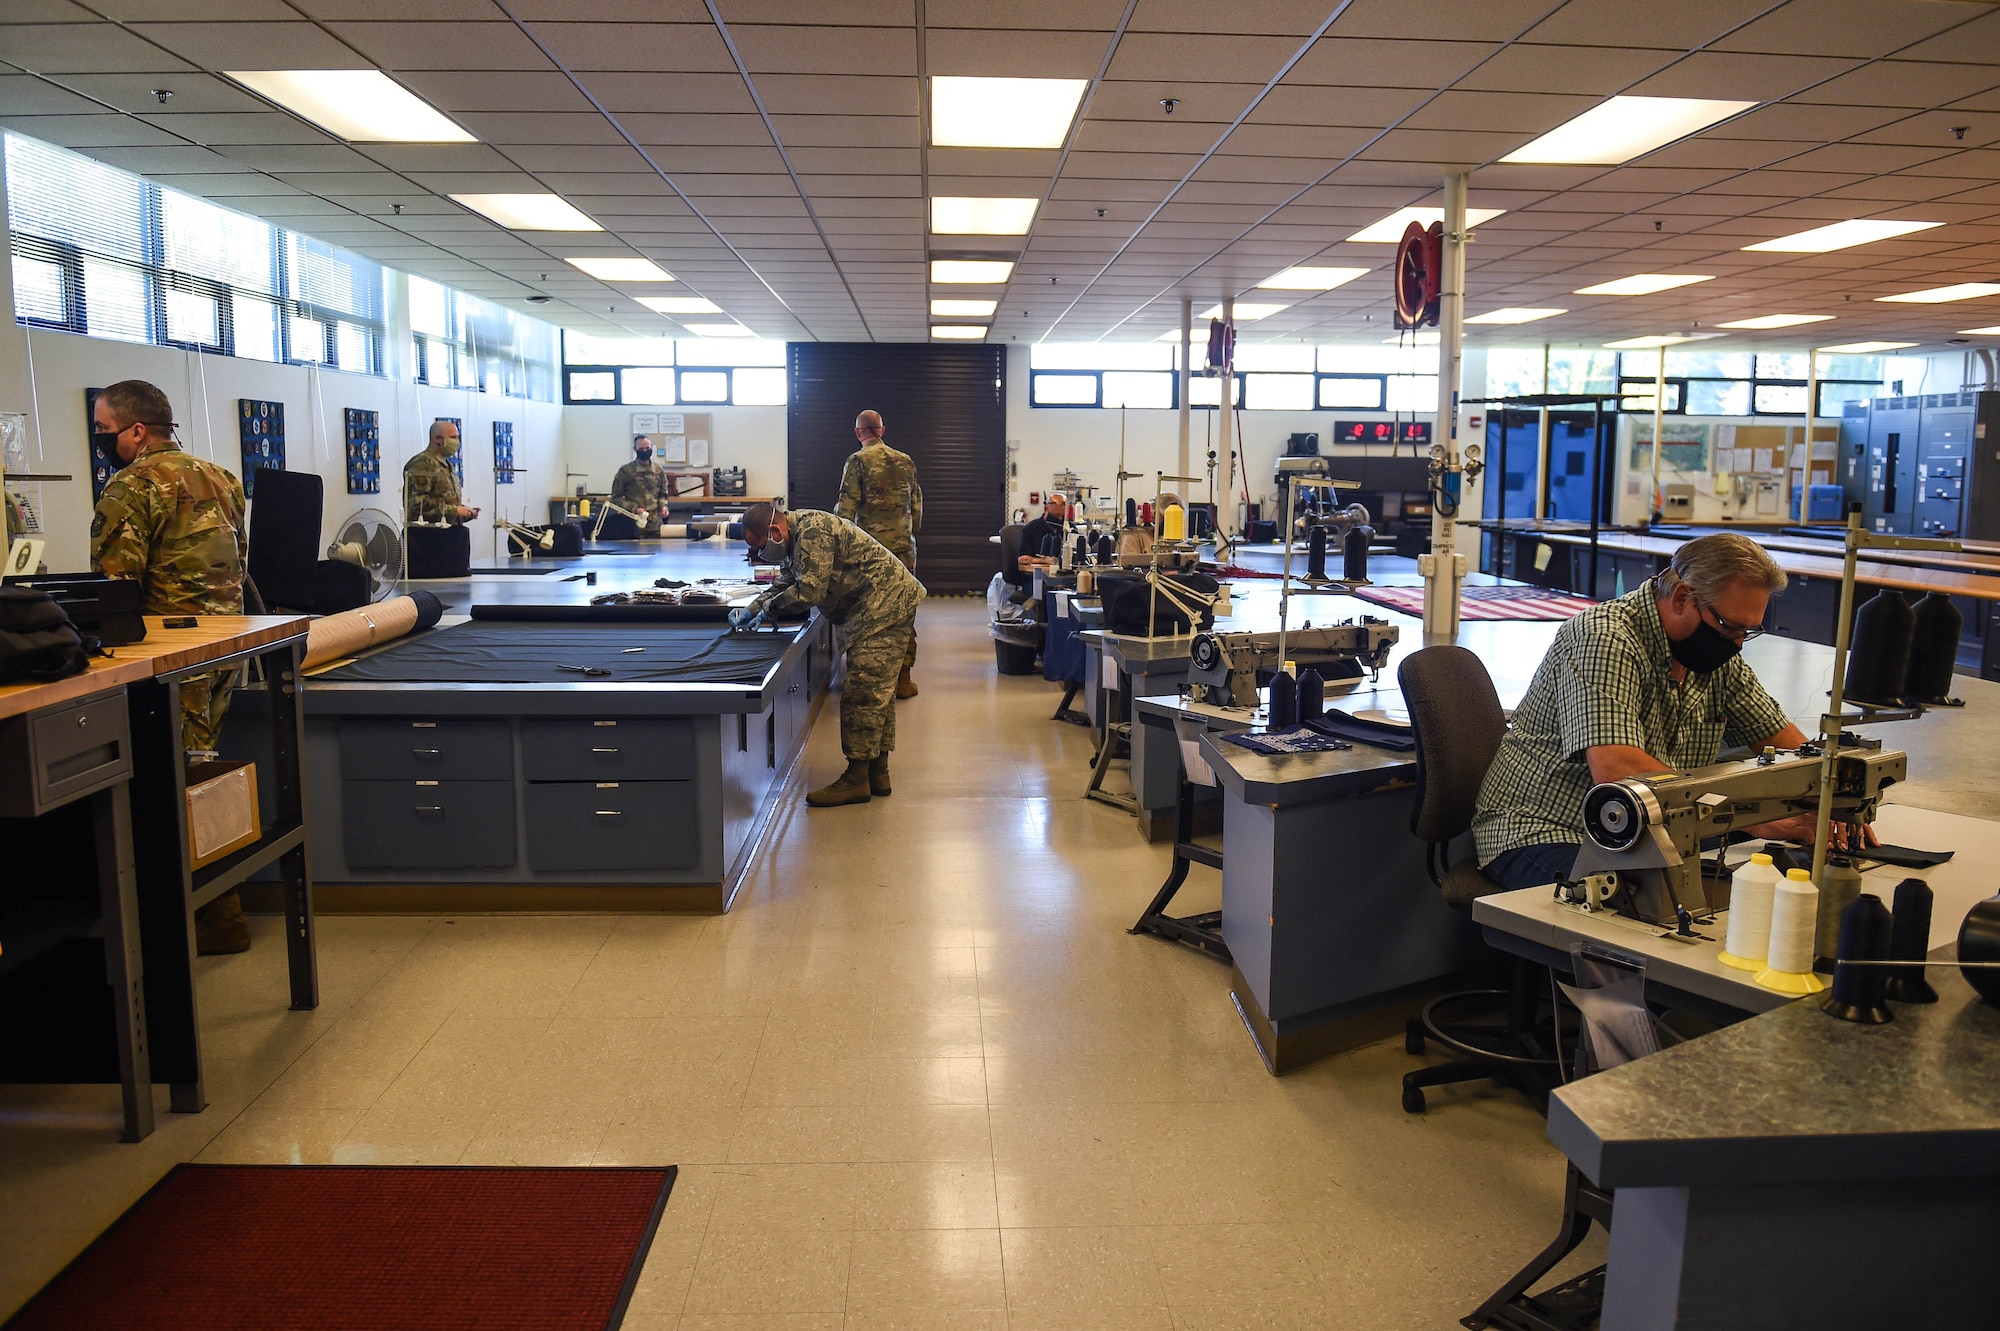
(1354, 554)
(1082, 551)
(1751, 893)
(1146, 514)
(1910, 940)
(1979, 940)
(1316, 553)
(1933, 649)
(1838, 885)
(1131, 512)
(1107, 549)
(1173, 523)
(1857, 990)
(1284, 701)
(1312, 695)
(1879, 660)
(1789, 958)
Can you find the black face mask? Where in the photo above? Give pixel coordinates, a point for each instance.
(105, 442)
(1706, 649)
(645, 455)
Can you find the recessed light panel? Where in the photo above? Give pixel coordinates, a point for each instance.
(1864, 348)
(1941, 295)
(1391, 228)
(1839, 236)
(1655, 340)
(1003, 113)
(527, 212)
(1644, 284)
(610, 268)
(1777, 321)
(977, 309)
(1245, 312)
(679, 304)
(959, 332)
(360, 105)
(971, 272)
(1513, 315)
(1309, 278)
(1980, 332)
(719, 330)
(959, 216)
(1623, 128)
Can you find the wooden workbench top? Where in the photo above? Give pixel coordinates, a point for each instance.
(1868, 572)
(164, 651)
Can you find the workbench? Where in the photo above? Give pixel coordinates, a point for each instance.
(124, 913)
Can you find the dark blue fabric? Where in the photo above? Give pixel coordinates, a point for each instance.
(1063, 657)
(1532, 866)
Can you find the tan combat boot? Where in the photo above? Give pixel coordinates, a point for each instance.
(851, 787)
(219, 927)
(905, 688)
(878, 775)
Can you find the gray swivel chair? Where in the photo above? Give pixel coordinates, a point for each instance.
(1458, 723)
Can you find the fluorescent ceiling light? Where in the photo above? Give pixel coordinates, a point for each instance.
(680, 304)
(1623, 128)
(1655, 340)
(612, 269)
(959, 216)
(1308, 278)
(527, 212)
(1246, 312)
(1940, 295)
(966, 272)
(1863, 348)
(964, 332)
(1513, 315)
(1645, 284)
(978, 309)
(1426, 337)
(360, 105)
(1777, 321)
(719, 330)
(1971, 332)
(1839, 236)
(1391, 228)
(1003, 113)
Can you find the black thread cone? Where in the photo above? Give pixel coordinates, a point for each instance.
(1878, 660)
(1933, 649)
(1910, 940)
(1857, 990)
(1316, 553)
(1354, 552)
(1284, 701)
(1312, 695)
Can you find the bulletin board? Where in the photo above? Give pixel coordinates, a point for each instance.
(681, 439)
(503, 452)
(261, 429)
(457, 460)
(1686, 447)
(364, 452)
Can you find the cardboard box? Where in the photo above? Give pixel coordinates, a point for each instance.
(222, 813)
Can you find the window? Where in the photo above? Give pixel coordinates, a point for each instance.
(1352, 390)
(1413, 392)
(461, 341)
(1279, 392)
(41, 290)
(1063, 390)
(659, 371)
(1742, 383)
(1138, 389)
(1102, 356)
(191, 319)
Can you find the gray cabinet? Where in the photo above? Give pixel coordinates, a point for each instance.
(428, 824)
(442, 749)
(607, 748)
(612, 825)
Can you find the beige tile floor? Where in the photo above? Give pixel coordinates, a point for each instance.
(919, 1077)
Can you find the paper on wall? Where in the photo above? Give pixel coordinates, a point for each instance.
(673, 422)
(645, 422)
(697, 450)
(673, 448)
(1767, 460)
(1822, 449)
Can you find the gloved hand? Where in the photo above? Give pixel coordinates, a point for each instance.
(746, 617)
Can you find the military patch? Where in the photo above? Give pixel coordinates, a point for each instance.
(96, 526)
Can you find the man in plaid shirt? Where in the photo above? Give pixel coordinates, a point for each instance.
(1647, 683)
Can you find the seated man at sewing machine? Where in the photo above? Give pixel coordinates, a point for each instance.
(1041, 541)
(1644, 684)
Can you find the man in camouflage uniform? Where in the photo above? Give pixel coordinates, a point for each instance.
(175, 523)
(879, 494)
(641, 486)
(430, 488)
(872, 599)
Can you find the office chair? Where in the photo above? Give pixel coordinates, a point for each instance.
(1458, 723)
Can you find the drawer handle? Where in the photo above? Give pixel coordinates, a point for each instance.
(604, 750)
(606, 724)
(82, 721)
(421, 753)
(423, 725)
(793, 689)
(430, 808)
(610, 813)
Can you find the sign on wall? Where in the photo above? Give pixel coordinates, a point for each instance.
(364, 452)
(261, 429)
(503, 452)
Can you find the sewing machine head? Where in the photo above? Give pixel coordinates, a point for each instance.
(1225, 668)
(1648, 830)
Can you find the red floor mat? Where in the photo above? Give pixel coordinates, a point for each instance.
(1486, 602)
(363, 1248)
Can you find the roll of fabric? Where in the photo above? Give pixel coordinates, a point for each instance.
(351, 631)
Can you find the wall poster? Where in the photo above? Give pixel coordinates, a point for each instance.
(364, 452)
(503, 452)
(261, 427)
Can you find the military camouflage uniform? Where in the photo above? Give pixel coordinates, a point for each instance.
(175, 523)
(879, 494)
(430, 490)
(641, 487)
(872, 598)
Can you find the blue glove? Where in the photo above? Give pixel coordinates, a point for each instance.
(746, 617)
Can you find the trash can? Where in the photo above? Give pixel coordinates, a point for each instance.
(1013, 658)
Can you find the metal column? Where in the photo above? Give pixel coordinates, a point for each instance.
(1444, 567)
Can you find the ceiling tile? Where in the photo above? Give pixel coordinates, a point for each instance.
(85, 48)
(650, 48)
(801, 49)
(1012, 54)
(252, 45)
(456, 46)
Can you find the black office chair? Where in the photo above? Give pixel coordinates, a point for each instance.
(1458, 723)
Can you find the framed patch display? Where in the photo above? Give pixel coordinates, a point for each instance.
(503, 452)
(103, 461)
(364, 452)
(261, 428)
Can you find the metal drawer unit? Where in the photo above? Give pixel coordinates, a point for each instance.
(65, 752)
(448, 749)
(428, 824)
(607, 749)
(582, 826)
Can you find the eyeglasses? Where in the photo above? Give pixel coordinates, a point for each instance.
(1728, 630)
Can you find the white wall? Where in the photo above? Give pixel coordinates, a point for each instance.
(205, 390)
(598, 441)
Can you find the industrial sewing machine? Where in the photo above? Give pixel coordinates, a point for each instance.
(1225, 667)
(1643, 835)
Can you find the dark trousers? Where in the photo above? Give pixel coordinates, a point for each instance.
(1532, 866)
